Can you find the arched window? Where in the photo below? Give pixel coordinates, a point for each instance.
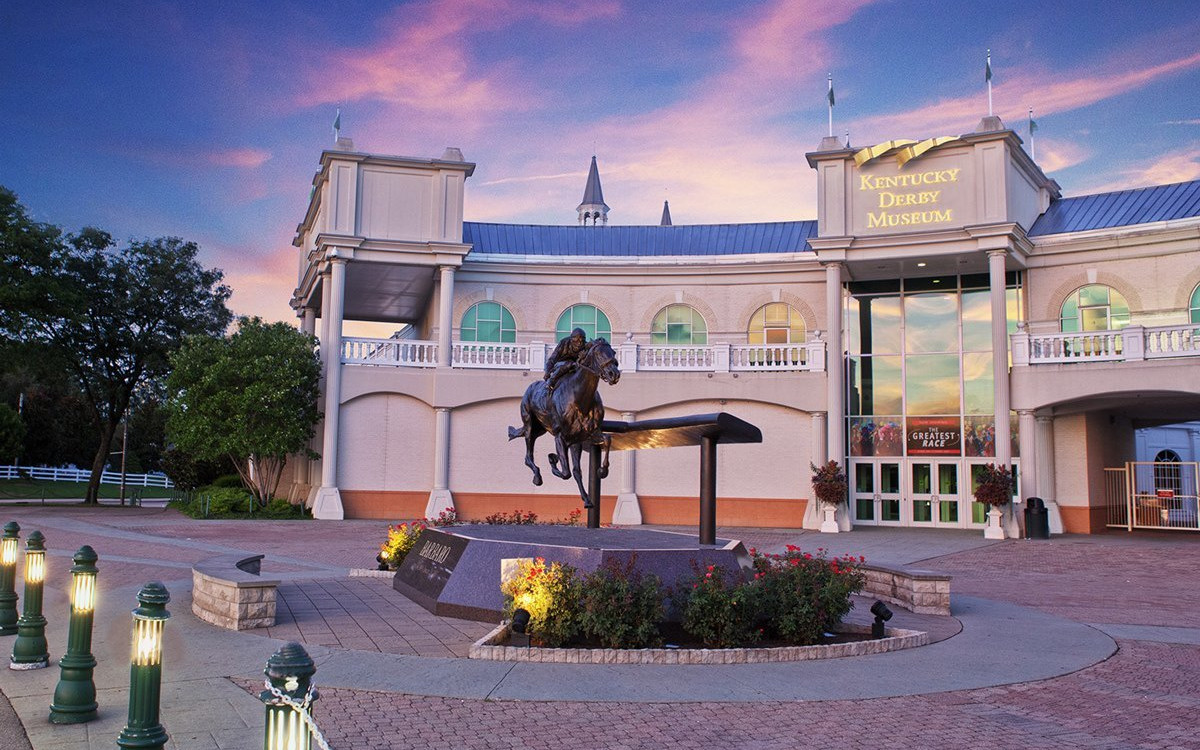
(488, 321)
(1095, 307)
(679, 325)
(776, 323)
(1167, 471)
(590, 318)
(1194, 306)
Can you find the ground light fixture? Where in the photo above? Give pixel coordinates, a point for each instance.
(143, 731)
(8, 577)
(75, 694)
(519, 627)
(289, 696)
(882, 615)
(30, 650)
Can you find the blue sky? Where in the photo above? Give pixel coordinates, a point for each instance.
(154, 118)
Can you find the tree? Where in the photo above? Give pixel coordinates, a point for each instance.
(250, 398)
(113, 315)
(12, 433)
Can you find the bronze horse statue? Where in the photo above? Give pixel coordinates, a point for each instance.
(572, 412)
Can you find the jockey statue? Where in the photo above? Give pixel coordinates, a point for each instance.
(564, 357)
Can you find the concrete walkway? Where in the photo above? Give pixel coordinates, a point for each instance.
(372, 692)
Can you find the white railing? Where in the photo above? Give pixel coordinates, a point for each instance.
(83, 475)
(633, 357)
(389, 352)
(1130, 344)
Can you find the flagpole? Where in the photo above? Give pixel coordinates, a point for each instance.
(830, 99)
(1032, 141)
(988, 76)
(337, 125)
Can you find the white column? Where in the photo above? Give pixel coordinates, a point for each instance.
(1045, 471)
(328, 503)
(1000, 385)
(835, 367)
(308, 323)
(628, 510)
(1027, 440)
(820, 454)
(440, 498)
(314, 473)
(445, 315)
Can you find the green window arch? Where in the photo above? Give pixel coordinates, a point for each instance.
(488, 321)
(679, 325)
(1194, 306)
(590, 318)
(776, 323)
(1095, 307)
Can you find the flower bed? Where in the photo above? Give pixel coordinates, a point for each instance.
(493, 647)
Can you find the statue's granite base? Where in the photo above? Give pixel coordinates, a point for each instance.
(456, 571)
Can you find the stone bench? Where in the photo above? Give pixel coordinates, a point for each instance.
(227, 591)
(923, 592)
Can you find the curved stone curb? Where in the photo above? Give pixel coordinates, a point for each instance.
(487, 648)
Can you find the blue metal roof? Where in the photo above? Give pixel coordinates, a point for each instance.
(684, 239)
(1121, 208)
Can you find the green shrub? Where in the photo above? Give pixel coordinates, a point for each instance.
(551, 595)
(721, 609)
(801, 595)
(400, 541)
(227, 480)
(620, 607)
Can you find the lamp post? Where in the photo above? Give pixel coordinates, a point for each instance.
(143, 731)
(29, 650)
(289, 696)
(75, 695)
(8, 576)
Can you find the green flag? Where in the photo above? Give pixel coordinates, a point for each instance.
(337, 122)
(987, 70)
(1032, 125)
(830, 97)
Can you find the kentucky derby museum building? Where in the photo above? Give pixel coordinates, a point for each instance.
(946, 309)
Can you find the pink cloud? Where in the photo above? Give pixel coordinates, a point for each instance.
(1047, 92)
(422, 61)
(248, 158)
(1054, 154)
(1180, 166)
(241, 158)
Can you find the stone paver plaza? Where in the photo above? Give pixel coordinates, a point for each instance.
(1075, 642)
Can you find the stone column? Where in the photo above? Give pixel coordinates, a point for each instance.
(1000, 384)
(445, 315)
(314, 467)
(820, 453)
(440, 498)
(628, 510)
(328, 503)
(1045, 471)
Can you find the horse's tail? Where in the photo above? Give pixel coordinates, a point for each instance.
(516, 432)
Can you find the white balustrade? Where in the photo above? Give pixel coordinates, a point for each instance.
(489, 355)
(389, 352)
(804, 357)
(1132, 343)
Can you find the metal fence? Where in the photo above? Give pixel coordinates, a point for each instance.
(1154, 495)
(83, 475)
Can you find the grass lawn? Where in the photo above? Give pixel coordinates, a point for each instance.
(29, 489)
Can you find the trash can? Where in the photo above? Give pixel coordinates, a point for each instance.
(1037, 519)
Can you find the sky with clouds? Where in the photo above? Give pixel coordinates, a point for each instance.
(206, 120)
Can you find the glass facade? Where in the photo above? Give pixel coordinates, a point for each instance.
(919, 366)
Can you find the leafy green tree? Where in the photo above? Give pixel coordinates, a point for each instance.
(12, 434)
(250, 398)
(112, 315)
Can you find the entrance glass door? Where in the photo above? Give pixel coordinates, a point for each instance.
(875, 492)
(933, 493)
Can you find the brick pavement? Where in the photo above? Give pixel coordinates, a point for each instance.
(1146, 696)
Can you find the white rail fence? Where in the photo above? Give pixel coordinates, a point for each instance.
(1129, 344)
(1154, 495)
(83, 475)
(633, 357)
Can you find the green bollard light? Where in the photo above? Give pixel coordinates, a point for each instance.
(30, 650)
(289, 695)
(75, 695)
(8, 577)
(143, 731)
